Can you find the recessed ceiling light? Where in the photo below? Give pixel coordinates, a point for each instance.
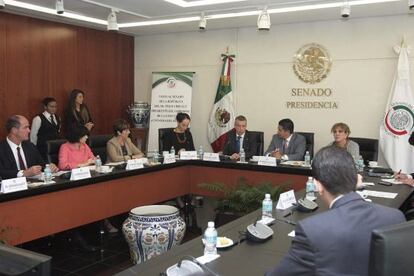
(198, 3)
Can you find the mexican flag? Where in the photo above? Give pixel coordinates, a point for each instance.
(222, 115)
(398, 122)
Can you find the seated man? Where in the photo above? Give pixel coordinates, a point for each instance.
(18, 156)
(285, 144)
(238, 138)
(337, 241)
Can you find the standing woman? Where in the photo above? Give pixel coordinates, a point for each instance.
(77, 113)
(120, 147)
(341, 134)
(179, 137)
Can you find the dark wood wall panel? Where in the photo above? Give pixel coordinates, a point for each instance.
(40, 58)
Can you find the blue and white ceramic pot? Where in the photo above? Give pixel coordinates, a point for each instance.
(151, 230)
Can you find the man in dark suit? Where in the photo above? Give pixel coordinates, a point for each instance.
(336, 242)
(239, 137)
(18, 156)
(286, 144)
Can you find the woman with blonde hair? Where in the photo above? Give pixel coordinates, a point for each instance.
(341, 134)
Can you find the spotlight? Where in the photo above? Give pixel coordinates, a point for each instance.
(411, 4)
(203, 22)
(59, 7)
(263, 21)
(112, 23)
(345, 9)
(2, 4)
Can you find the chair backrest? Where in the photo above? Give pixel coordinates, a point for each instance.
(97, 143)
(309, 136)
(52, 150)
(368, 148)
(259, 141)
(391, 250)
(161, 132)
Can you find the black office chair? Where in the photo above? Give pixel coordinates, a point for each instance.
(161, 132)
(309, 136)
(368, 148)
(52, 150)
(391, 249)
(260, 142)
(97, 143)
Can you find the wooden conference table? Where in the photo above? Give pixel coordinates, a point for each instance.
(249, 258)
(49, 209)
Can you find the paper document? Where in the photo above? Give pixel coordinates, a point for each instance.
(292, 234)
(391, 180)
(379, 194)
(207, 258)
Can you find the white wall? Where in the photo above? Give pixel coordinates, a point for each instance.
(361, 75)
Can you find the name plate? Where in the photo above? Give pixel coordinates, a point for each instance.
(211, 156)
(134, 164)
(286, 200)
(80, 173)
(13, 185)
(267, 161)
(169, 158)
(188, 155)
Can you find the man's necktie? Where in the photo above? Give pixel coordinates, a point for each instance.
(238, 143)
(52, 120)
(21, 163)
(285, 146)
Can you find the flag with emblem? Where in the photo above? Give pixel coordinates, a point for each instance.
(222, 115)
(398, 121)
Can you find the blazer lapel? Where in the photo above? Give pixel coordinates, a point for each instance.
(9, 153)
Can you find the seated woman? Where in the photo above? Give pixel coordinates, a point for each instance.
(179, 137)
(75, 152)
(341, 133)
(120, 147)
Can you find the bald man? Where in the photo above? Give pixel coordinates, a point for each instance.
(18, 156)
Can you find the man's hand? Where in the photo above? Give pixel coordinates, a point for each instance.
(34, 170)
(235, 156)
(276, 154)
(53, 168)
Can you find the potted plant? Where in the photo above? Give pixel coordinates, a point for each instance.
(242, 198)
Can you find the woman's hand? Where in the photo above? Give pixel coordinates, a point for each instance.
(89, 126)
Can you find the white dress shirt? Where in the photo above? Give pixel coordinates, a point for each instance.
(287, 141)
(36, 123)
(241, 140)
(13, 147)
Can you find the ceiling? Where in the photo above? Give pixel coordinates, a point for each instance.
(149, 10)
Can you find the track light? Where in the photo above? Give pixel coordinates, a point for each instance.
(263, 21)
(2, 4)
(346, 9)
(411, 4)
(112, 23)
(203, 22)
(59, 7)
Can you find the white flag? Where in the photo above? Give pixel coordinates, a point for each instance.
(398, 121)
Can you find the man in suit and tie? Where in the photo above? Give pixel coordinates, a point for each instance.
(239, 137)
(337, 241)
(286, 144)
(18, 156)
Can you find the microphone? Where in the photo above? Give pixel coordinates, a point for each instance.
(194, 260)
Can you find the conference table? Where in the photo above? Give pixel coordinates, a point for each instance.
(250, 258)
(48, 209)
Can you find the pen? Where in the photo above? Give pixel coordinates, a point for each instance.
(399, 172)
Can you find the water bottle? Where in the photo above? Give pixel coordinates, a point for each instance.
(307, 159)
(172, 150)
(310, 189)
(200, 152)
(155, 157)
(360, 164)
(242, 155)
(98, 164)
(210, 239)
(267, 207)
(48, 173)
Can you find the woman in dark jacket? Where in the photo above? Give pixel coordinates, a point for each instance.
(179, 137)
(77, 113)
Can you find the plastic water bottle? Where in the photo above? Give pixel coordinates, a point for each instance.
(48, 173)
(172, 150)
(360, 164)
(242, 155)
(310, 189)
(98, 164)
(155, 156)
(307, 159)
(200, 152)
(267, 207)
(210, 239)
